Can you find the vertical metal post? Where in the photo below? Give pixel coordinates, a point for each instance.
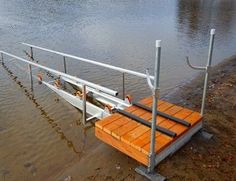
(155, 94)
(30, 69)
(123, 85)
(2, 58)
(31, 53)
(84, 104)
(209, 60)
(64, 61)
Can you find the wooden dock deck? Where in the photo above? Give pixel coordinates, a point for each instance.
(133, 138)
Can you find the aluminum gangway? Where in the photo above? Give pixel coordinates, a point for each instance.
(149, 130)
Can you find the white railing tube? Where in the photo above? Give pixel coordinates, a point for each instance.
(122, 70)
(58, 73)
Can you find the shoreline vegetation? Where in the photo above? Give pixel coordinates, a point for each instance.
(199, 159)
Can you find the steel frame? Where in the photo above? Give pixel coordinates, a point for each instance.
(153, 158)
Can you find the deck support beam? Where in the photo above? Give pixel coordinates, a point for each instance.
(176, 145)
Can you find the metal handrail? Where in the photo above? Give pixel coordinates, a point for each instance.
(122, 70)
(58, 73)
(206, 68)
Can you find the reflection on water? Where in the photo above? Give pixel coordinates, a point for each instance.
(122, 33)
(51, 121)
(195, 18)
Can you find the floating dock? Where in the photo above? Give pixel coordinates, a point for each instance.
(133, 138)
(149, 130)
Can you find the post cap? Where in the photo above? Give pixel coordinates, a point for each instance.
(213, 31)
(158, 43)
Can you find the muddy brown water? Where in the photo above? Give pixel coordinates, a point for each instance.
(41, 136)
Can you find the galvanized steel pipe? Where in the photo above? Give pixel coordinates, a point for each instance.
(155, 92)
(58, 73)
(122, 70)
(208, 66)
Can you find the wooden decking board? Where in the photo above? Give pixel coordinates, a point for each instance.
(116, 123)
(125, 129)
(135, 154)
(162, 141)
(131, 135)
(119, 131)
(193, 118)
(133, 138)
(135, 133)
(110, 126)
(107, 120)
(148, 101)
(183, 114)
(178, 129)
(173, 110)
(160, 121)
(143, 140)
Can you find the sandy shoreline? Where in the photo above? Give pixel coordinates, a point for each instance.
(200, 159)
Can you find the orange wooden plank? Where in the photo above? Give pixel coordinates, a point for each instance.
(100, 124)
(183, 114)
(166, 123)
(161, 142)
(143, 140)
(178, 129)
(128, 150)
(111, 125)
(133, 134)
(108, 125)
(171, 111)
(146, 100)
(125, 128)
(194, 118)
(114, 125)
(130, 125)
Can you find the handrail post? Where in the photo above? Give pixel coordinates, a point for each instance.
(155, 94)
(2, 58)
(208, 66)
(84, 104)
(31, 53)
(64, 61)
(30, 69)
(123, 85)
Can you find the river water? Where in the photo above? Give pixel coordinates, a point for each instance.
(41, 137)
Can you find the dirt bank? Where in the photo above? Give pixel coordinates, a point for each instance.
(214, 159)
(200, 159)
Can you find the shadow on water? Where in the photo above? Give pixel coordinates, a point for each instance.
(51, 121)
